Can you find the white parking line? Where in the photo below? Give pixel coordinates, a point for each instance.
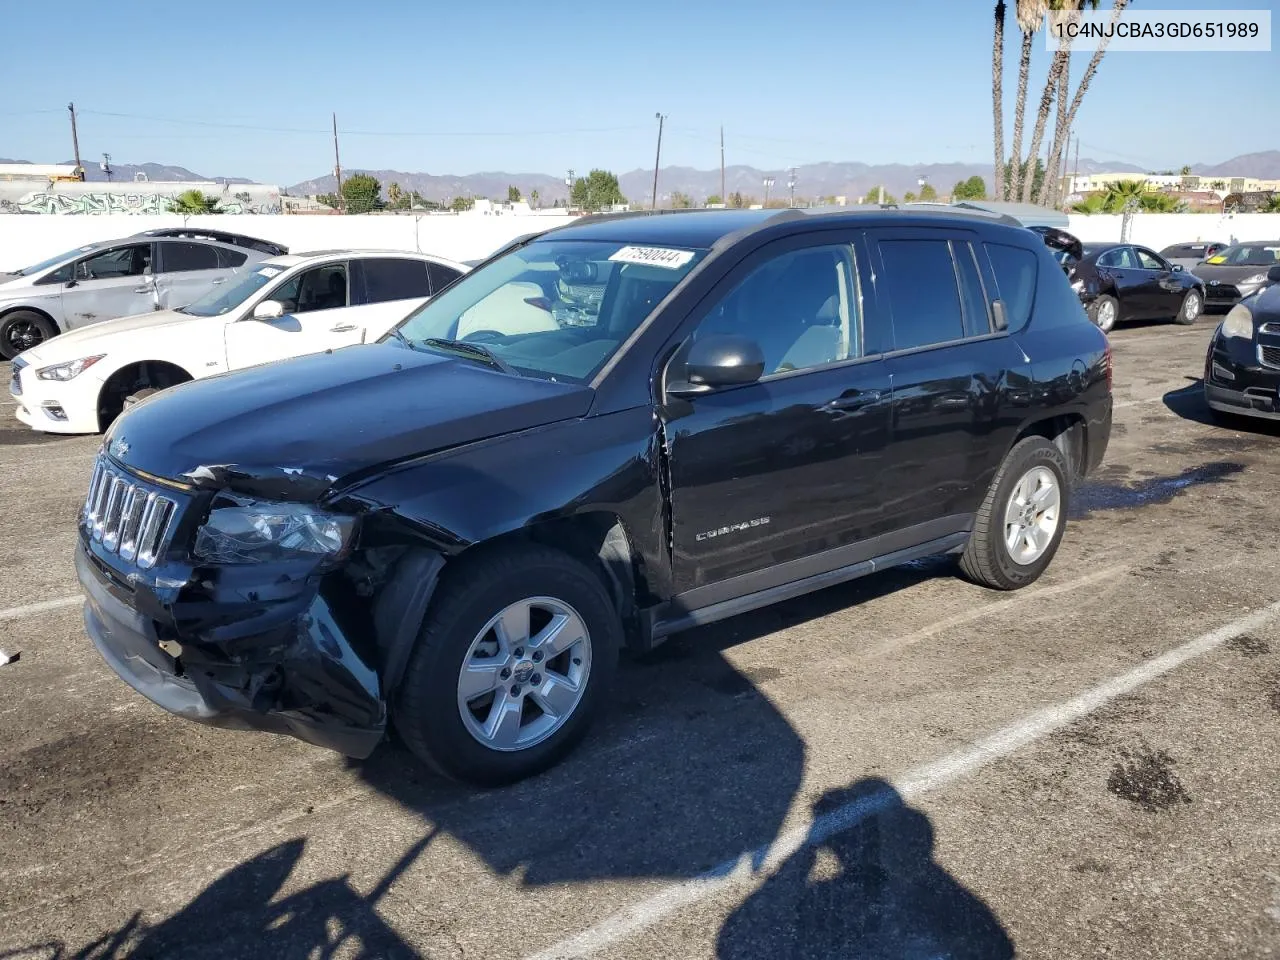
(752, 866)
(44, 606)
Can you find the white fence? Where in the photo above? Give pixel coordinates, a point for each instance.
(27, 239)
(1159, 230)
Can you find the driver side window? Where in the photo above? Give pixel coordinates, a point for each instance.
(1149, 260)
(800, 307)
(320, 288)
(130, 261)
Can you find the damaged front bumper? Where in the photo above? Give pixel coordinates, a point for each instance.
(270, 647)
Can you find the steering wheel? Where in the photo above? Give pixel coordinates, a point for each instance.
(488, 335)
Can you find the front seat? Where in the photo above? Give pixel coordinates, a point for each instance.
(801, 328)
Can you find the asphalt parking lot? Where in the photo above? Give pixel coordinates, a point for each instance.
(906, 766)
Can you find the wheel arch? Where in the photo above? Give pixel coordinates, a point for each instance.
(29, 308)
(1068, 432)
(166, 373)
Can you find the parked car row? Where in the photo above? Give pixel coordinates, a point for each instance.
(613, 431)
(283, 306)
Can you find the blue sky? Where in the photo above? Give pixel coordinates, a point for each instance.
(246, 89)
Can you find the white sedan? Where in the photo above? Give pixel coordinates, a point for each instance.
(78, 382)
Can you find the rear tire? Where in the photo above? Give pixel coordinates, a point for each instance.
(1192, 307)
(22, 330)
(1104, 311)
(443, 725)
(1030, 493)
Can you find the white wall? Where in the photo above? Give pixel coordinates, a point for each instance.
(1159, 230)
(26, 239)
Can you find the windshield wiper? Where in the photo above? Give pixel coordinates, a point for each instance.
(476, 350)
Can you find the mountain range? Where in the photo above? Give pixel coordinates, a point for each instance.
(849, 179)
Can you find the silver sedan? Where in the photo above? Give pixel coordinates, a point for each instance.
(115, 278)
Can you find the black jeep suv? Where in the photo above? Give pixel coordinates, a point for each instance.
(455, 530)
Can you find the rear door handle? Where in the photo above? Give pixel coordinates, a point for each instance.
(342, 328)
(854, 400)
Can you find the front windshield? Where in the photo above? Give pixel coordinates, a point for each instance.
(54, 261)
(219, 301)
(556, 309)
(1248, 255)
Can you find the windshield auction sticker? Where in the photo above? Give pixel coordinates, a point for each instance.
(653, 257)
(1158, 31)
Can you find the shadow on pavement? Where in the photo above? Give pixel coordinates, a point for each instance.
(243, 915)
(1189, 404)
(870, 890)
(691, 765)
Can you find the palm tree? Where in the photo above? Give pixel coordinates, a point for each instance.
(394, 194)
(1030, 15)
(997, 96)
(533, 199)
(191, 202)
(1055, 155)
(1122, 191)
(1093, 203)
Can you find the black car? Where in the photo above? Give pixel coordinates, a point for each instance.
(1242, 367)
(236, 239)
(1123, 281)
(456, 529)
(1238, 272)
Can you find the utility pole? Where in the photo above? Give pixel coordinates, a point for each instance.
(568, 182)
(106, 165)
(791, 185)
(75, 139)
(723, 199)
(1060, 193)
(768, 182)
(656, 160)
(337, 165)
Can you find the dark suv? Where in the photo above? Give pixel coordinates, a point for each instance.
(455, 530)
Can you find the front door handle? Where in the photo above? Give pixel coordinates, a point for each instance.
(147, 289)
(853, 400)
(218, 281)
(342, 328)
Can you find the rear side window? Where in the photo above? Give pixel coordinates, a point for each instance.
(394, 279)
(977, 321)
(920, 278)
(441, 276)
(231, 258)
(180, 257)
(1015, 270)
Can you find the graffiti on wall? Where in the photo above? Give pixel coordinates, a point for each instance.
(104, 202)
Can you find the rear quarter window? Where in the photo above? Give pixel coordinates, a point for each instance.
(1016, 270)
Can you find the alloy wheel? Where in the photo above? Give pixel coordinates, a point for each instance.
(1032, 515)
(524, 674)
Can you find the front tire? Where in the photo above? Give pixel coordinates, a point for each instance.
(22, 330)
(1192, 307)
(511, 665)
(1021, 522)
(1104, 312)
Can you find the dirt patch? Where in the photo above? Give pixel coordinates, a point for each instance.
(1145, 777)
(1248, 645)
(1273, 693)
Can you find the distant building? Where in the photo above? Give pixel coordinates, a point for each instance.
(49, 173)
(1190, 183)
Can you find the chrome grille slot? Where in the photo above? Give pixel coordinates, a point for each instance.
(1269, 356)
(126, 517)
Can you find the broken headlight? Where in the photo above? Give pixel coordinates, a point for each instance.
(258, 531)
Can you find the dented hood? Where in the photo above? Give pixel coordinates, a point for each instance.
(291, 430)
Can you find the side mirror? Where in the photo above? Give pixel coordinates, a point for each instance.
(268, 310)
(720, 360)
(1274, 274)
(1177, 268)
